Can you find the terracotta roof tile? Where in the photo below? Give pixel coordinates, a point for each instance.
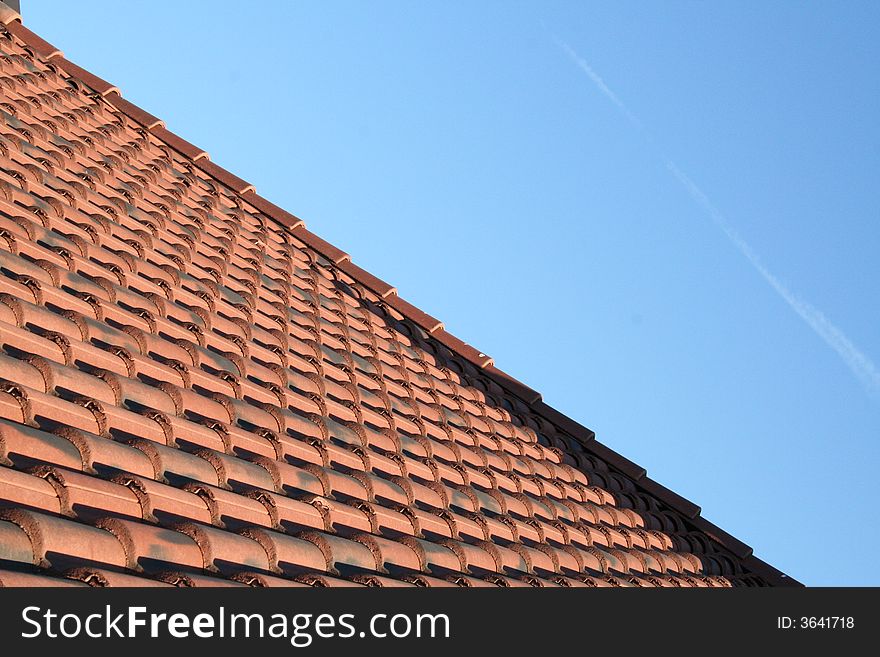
(368, 280)
(225, 552)
(231, 510)
(320, 246)
(193, 580)
(216, 172)
(19, 489)
(22, 446)
(261, 580)
(17, 579)
(196, 390)
(128, 108)
(267, 207)
(8, 14)
(179, 144)
(166, 504)
(288, 554)
(60, 543)
(41, 47)
(714, 532)
(430, 324)
(91, 80)
(89, 498)
(102, 578)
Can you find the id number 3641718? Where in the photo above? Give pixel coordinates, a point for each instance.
(815, 622)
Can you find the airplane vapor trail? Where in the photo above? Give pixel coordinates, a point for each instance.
(859, 364)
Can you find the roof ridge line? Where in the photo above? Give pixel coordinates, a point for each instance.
(586, 437)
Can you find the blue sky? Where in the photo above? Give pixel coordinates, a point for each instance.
(460, 152)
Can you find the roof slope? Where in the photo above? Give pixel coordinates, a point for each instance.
(196, 390)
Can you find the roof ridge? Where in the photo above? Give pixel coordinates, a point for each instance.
(387, 293)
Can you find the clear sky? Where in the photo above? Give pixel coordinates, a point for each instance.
(660, 215)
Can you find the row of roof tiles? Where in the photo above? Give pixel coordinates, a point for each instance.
(225, 490)
(126, 548)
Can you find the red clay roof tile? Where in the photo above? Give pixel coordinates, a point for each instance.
(461, 348)
(19, 489)
(430, 324)
(290, 515)
(60, 543)
(194, 580)
(671, 499)
(235, 183)
(166, 504)
(342, 554)
(287, 554)
(381, 581)
(231, 510)
(17, 579)
(22, 445)
(102, 578)
(106, 457)
(89, 498)
(91, 80)
(128, 108)
(280, 215)
(152, 549)
(41, 47)
(714, 532)
(325, 249)
(177, 143)
(365, 278)
(225, 552)
(8, 14)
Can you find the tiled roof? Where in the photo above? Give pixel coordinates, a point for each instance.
(195, 390)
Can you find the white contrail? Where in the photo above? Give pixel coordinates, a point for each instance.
(599, 82)
(858, 363)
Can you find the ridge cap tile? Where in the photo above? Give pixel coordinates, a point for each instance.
(713, 531)
(332, 253)
(39, 45)
(132, 111)
(226, 177)
(178, 143)
(367, 279)
(99, 85)
(268, 208)
(8, 15)
(513, 385)
(616, 460)
(672, 499)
